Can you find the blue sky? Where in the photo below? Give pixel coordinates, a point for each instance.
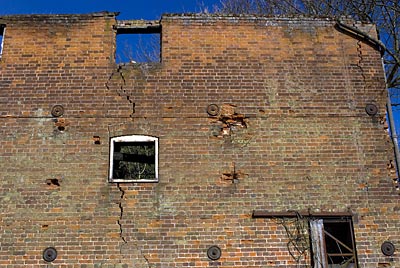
(130, 9)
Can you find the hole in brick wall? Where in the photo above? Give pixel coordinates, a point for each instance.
(96, 140)
(53, 182)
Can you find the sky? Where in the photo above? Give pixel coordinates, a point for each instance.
(130, 9)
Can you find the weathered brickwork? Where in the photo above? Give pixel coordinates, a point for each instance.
(288, 132)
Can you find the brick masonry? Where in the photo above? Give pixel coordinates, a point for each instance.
(291, 134)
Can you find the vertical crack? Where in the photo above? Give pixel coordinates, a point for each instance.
(122, 87)
(360, 63)
(121, 230)
(121, 208)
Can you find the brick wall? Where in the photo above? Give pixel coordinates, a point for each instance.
(291, 134)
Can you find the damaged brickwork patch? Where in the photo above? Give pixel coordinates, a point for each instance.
(233, 175)
(61, 124)
(227, 120)
(53, 182)
(391, 169)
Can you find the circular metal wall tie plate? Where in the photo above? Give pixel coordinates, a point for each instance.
(371, 109)
(214, 253)
(49, 254)
(57, 111)
(387, 248)
(213, 109)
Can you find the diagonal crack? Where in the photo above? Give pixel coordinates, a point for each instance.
(122, 91)
(128, 97)
(146, 259)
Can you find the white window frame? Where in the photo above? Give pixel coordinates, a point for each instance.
(132, 138)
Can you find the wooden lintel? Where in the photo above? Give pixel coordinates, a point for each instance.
(291, 214)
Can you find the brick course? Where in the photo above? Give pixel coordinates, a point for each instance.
(292, 135)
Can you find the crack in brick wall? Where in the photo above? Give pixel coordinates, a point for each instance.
(119, 87)
(360, 64)
(122, 231)
(121, 208)
(390, 166)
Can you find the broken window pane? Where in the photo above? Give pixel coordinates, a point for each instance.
(133, 158)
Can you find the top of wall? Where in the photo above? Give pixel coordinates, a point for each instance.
(243, 17)
(203, 17)
(55, 17)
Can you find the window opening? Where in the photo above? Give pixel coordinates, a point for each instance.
(138, 41)
(333, 243)
(2, 31)
(138, 48)
(133, 158)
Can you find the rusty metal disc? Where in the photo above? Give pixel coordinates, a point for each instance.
(213, 109)
(371, 109)
(49, 254)
(57, 111)
(214, 253)
(387, 248)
